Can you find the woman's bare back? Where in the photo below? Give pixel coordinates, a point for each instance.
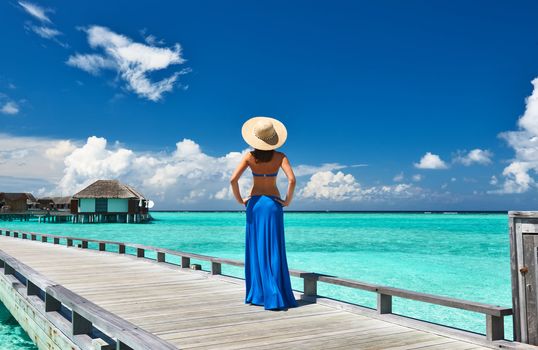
(265, 184)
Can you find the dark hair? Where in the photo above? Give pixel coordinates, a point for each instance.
(262, 156)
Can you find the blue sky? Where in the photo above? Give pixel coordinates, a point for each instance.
(366, 89)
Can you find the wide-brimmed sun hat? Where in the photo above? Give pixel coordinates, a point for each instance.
(264, 133)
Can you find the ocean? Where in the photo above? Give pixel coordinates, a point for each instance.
(464, 255)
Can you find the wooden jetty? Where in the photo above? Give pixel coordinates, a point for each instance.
(83, 218)
(40, 215)
(78, 293)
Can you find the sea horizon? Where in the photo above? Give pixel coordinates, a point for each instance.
(344, 211)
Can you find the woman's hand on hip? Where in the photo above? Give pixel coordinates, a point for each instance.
(284, 203)
(245, 200)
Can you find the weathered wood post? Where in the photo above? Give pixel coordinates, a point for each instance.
(524, 271)
(161, 257)
(384, 303)
(310, 285)
(31, 288)
(51, 303)
(80, 325)
(8, 270)
(185, 262)
(216, 268)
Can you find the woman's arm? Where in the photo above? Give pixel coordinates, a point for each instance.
(286, 166)
(234, 181)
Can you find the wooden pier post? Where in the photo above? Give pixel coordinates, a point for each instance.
(310, 285)
(185, 262)
(140, 252)
(216, 268)
(384, 303)
(524, 271)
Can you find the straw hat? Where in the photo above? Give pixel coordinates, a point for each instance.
(264, 133)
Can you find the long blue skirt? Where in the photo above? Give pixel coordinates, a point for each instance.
(266, 269)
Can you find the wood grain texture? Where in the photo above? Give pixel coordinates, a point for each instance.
(192, 309)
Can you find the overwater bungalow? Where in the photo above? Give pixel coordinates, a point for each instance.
(15, 202)
(55, 203)
(109, 201)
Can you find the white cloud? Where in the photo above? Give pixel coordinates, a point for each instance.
(35, 11)
(133, 61)
(476, 156)
(431, 161)
(46, 32)
(328, 185)
(519, 174)
(529, 119)
(493, 180)
(93, 161)
(517, 177)
(6, 156)
(186, 177)
(26, 158)
(332, 186)
(90, 63)
(10, 108)
(45, 28)
(417, 177)
(60, 150)
(398, 177)
(304, 170)
(151, 39)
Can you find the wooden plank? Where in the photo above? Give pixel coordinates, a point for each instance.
(109, 323)
(289, 329)
(423, 344)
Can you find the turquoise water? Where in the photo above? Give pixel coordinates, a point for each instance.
(12, 336)
(463, 256)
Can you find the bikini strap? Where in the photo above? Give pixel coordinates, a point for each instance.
(265, 175)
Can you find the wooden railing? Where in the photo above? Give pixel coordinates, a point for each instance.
(494, 314)
(78, 318)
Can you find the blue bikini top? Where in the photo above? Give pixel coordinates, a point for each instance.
(265, 175)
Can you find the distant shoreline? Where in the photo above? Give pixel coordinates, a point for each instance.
(445, 212)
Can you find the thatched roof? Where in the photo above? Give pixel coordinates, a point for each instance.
(14, 196)
(55, 200)
(61, 200)
(109, 189)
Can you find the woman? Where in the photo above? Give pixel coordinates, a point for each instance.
(266, 269)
